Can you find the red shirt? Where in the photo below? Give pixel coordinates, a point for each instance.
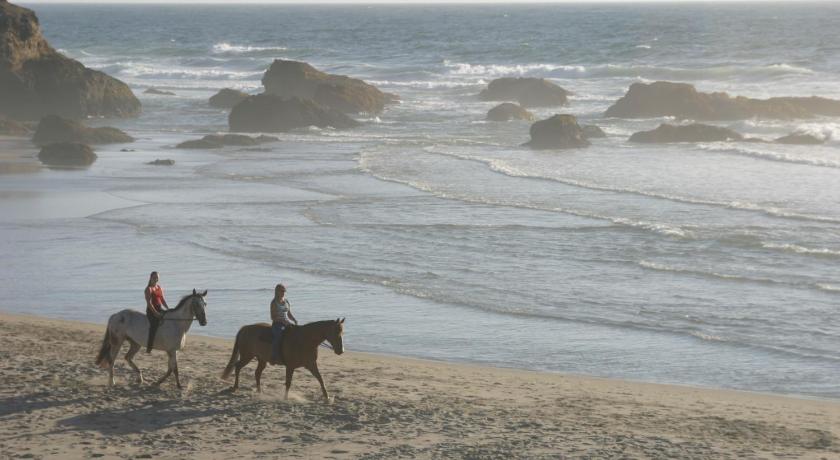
(156, 296)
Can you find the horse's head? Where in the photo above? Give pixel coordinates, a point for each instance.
(334, 336)
(198, 306)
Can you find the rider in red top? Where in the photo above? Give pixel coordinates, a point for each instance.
(155, 306)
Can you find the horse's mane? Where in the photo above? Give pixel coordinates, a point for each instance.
(318, 323)
(182, 302)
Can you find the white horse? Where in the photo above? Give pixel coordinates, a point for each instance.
(133, 326)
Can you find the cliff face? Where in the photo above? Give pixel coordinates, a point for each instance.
(36, 80)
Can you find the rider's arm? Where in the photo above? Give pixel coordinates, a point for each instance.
(163, 300)
(291, 316)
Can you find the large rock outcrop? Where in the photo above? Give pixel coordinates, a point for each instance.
(270, 113)
(509, 111)
(681, 100)
(53, 128)
(529, 92)
(227, 98)
(557, 132)
(292, 79)
(67, 154)
(696, 132)
(36, 80)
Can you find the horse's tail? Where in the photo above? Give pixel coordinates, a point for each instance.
(234, 357)
(103, 359)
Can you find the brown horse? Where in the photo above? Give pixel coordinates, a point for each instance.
(299, 349)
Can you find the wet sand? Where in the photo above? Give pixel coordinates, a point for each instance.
(55, 403)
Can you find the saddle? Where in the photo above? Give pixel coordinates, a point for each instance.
(265, 335)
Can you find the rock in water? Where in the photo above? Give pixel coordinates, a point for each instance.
(593, 132)
(67, 154)
(160, 162)
(227, 98)
(681, 100)
(686, 133)
(509, 111)
(197, 144)
(529, 92)
(557, 132)
(159, 92)
(12, 128)
(292, 79)
(36, 80)
(800, 139)
(215, 141)
(53, 128)
(270, 113)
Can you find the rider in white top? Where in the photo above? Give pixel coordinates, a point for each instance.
(281, 316)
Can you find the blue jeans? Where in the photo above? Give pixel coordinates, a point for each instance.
(277, 329)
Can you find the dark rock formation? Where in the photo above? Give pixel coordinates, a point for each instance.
(800, 139)
(53, 128)
(271, 113)
(529, 92)
(159, 92)
(12, 128)
(36, 80)
(200, 144)
(292, 79)
(227, 98)
(683, 101)
(557, 132)
(593, 132)
(159, 162)
(215, 141)
(67, 154)
(686, 133)
(509, 111)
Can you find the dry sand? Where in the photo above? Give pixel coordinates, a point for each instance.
(55, 403)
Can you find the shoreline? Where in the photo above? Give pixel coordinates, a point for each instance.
(56, 402)
(228, 341)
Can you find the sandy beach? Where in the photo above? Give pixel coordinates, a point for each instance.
(56, 404)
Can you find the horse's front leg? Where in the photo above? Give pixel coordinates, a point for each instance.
(173, 358)
(289, 372)
(314, 370)
(169, 370)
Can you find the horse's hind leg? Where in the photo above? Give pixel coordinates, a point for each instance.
(243, 361)
(290, 371)
(116, 344)
(132, 350)
(260, 367)
(314, 370)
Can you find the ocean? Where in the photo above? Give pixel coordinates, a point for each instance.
(433, 231)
